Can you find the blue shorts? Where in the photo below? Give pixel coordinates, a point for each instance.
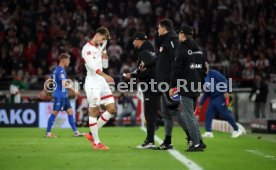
(61, 104)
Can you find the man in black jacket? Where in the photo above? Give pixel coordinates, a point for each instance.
(167, 44)
(187, 76)
(259, 95)
(145, 73)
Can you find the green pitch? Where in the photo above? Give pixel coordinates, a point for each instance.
(26, 148)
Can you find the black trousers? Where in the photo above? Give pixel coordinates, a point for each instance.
(151, 105)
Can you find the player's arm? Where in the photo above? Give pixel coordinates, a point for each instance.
(65, 84)
(45, 90)
(88, 59)
(105, 76)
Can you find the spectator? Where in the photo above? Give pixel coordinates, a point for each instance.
(15, 87)
(248, 75)
(143, 7)
(219, 26)
(262, 64)
(258, 95)
(128, 109)
(83, 118)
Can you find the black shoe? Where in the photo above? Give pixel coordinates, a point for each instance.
(189, 142)
(164, 146)
(202, 145)
(146, 145)
(194, 149)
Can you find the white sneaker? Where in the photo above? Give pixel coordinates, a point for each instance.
(236, 133)
(208, 135)
(78, 134)
(50, 135)
(242, 129)
(146, 145)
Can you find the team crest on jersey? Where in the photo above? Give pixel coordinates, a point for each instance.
(88, 52)
(160, 49)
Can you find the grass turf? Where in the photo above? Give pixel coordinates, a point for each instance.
(26, 148)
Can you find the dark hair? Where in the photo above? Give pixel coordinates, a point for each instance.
(167, 24)
(103, 31)
(63, 56)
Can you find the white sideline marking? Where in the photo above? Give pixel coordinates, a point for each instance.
(259, 153)
(177, 155)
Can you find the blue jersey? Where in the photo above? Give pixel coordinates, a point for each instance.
(211, 82)
(58, 75)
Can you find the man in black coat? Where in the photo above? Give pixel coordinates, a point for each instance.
(259, 95)
(167, 44)
(145, 73)
(187, 76)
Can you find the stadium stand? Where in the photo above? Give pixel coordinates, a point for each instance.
(239, 36)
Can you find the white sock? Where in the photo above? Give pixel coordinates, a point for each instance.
(94, 129)
(104, 119)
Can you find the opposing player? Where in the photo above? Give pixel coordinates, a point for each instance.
(96, 86)
(60, 94)
(218, 102)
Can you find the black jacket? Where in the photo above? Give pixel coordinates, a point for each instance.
(165, 56)
(263, 92)
(146, 55)
(189, 65)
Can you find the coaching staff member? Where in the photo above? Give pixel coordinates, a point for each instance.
(189, 65)
(144, 73)
(167, 43)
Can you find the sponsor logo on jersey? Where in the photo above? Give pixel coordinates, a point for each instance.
(195, 66)
(190, 52)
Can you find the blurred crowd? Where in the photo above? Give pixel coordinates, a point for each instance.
(239, 35)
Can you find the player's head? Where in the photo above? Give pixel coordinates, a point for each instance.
(101, 35)
(185, 32)
(139, 39)
(64, 59)
(165, 26)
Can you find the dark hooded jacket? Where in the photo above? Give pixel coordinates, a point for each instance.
(189, 65)
(165, 56)
(146, 55)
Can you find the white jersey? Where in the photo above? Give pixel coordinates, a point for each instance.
(96, 87)
(92, 58)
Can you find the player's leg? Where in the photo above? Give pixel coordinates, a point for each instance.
(110, 112)
(107, 99)
(69, 110)
(71, 119)
(50, 123)
(210, 113)
(93, 92)
(226, 114)
(95, 140)
(56, 107)
(94, 112)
